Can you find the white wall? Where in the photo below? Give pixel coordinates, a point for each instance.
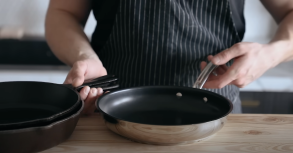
(260, 26)
(30, 14)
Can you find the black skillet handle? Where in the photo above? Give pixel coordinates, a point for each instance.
(107, 83)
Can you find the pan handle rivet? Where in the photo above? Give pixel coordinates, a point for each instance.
(179, 95)
(205, 99)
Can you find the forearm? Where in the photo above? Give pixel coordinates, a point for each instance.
(282, 43)
(66, 37)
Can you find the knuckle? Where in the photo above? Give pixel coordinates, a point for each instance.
(234, 72)
(253, 47)
(220, 85)
(225, 55)
(79, 67)
(238, 73)
(254, 44)
(238, 45)
(242, 73)
(240, 48)
(79, 64)
(240, 83)
(93, 91)
(252, 77)
(241, 86)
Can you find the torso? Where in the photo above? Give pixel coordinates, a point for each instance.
(162, 42)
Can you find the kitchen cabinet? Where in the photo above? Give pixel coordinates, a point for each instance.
(28, 51)
(267, 102)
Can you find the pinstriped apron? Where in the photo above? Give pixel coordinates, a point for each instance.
(162, 42)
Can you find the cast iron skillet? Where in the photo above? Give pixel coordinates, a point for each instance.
(41, 136)
(26, 103)
(165, 115)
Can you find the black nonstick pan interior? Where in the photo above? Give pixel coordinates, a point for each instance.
(164, 105)
(24, 103)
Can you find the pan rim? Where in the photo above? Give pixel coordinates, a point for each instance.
(45, 126)
(97, 103)
(46, 119)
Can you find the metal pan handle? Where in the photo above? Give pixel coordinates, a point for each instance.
(204, 75)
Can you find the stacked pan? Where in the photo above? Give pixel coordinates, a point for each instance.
(35, 116)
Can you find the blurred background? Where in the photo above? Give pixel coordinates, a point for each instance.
(25, 56)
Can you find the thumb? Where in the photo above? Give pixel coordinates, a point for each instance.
(228, 54)
(76, 75)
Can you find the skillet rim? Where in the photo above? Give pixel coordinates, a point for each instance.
(48, 126)
(52, 117)
(97, 102)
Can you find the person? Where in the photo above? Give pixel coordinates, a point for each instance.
(165, 42)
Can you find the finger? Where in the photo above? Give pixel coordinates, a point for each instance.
(242, 81)
(221, 69)
(92, 106)
(228, 54)
(84, 92)
(90, 99)
(239, 83)
(203, 65)
(68, 79)
(224, 67)
(76, 75)
(216, 73)
(222, 80)
(210, 57)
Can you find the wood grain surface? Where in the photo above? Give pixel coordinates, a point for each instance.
(243, 133)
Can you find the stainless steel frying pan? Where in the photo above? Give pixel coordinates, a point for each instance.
(165, 115)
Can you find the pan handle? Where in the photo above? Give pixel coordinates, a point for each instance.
(204, 75)
(107, 82)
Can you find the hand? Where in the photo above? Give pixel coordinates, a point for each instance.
(251, 60)
(84, 69)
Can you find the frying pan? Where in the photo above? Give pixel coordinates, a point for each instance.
(26, 103)
(165, 115)
(42, 136)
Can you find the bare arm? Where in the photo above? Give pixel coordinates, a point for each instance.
(64, 25)
(282, 12)
(251, 60)
(64, 33)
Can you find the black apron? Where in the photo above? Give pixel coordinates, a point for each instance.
(162, 42)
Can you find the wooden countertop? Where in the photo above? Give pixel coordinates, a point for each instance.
(242, 133)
